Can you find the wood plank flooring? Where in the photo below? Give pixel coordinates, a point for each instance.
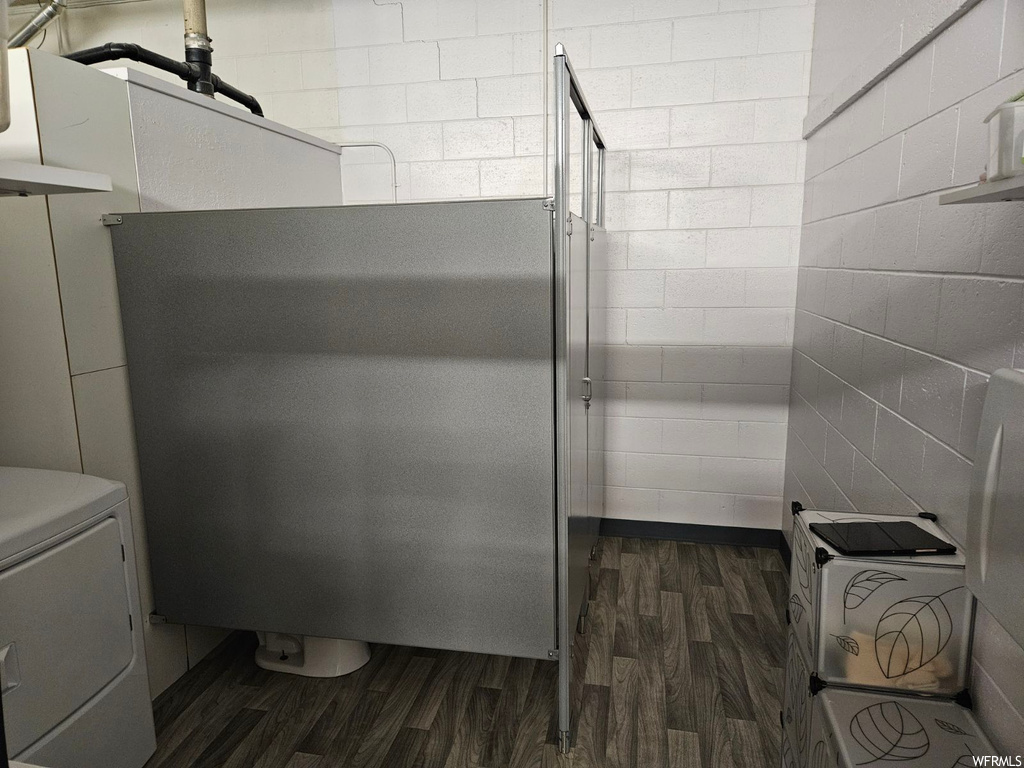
(680, 665)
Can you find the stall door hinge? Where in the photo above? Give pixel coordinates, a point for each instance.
(549, 204)
(157, 618)
(111, 219)
(553, 654)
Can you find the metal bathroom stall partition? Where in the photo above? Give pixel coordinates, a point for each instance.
(376, 422)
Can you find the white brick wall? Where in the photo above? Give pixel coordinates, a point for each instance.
(904, 308)
(702, 103)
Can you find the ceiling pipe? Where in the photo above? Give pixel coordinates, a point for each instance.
(196, 70)
(38, 23)
(198, 46)
(5, 123)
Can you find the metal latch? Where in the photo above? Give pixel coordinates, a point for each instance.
(588, 392)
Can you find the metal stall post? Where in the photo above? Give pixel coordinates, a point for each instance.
(586, 213)
(561, 214)
(567, 91)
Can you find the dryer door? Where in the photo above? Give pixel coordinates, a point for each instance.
(65, 631)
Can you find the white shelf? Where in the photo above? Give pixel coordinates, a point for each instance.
(24, 179)
(1002, 191)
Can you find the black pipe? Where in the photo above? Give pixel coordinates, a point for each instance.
(196, 74)
(114, 51)
(202, 60)
(229, 91)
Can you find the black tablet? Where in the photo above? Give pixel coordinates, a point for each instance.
(899, 537)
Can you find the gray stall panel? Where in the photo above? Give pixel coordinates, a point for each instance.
(345, 419)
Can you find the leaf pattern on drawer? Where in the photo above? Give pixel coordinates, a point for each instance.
(965, 760)
(889, 731)
(862, 586)
(796, 608)
(951, 728)
(819, 756)
(911, 633)
(848, 644)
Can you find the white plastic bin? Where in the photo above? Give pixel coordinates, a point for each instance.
(856, 728)
(796, 707)
(900, 623)
(1006, 140)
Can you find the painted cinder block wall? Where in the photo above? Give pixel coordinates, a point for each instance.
(702, 102)
(904, 308)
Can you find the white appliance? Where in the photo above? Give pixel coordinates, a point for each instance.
(995, 566)
(72, 663)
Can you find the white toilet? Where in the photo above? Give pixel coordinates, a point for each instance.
(310, 656)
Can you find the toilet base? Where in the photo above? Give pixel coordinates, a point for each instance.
(310, 656)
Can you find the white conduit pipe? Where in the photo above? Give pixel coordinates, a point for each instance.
(378, 145)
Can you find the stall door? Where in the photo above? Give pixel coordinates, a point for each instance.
(344, 419)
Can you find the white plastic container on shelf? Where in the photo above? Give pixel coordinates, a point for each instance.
(899, 623)
(796, 707)
(1006, 140)
(854, 728)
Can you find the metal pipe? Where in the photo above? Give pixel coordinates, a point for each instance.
(386, 148)
(587, 134)
(562, 492)
(5, 97)
(198, 47)
(195, 20)
(37, 23)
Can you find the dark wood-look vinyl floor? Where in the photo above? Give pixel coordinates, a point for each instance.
(680, 665)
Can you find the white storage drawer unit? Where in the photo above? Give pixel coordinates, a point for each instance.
(72, 666)
(796, 706)
(853, 728)
(900, 623)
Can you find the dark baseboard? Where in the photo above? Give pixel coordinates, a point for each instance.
(784, 549)
(704, 534)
